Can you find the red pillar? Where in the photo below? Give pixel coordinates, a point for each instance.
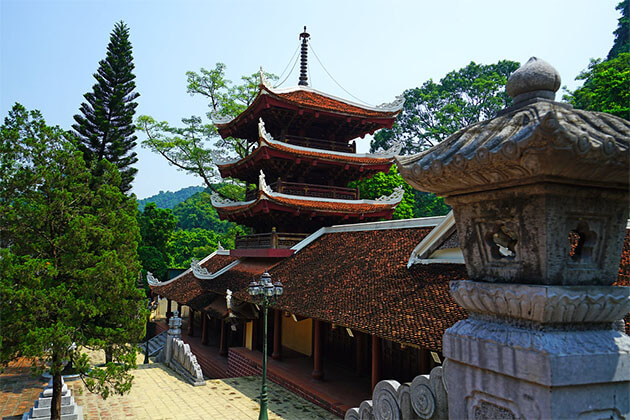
(376, 360)
(318, 372)
(191, 322)
(223, 351)
(277, 341)
(359, 341)
(204, 328)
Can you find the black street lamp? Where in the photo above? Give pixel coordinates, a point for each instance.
(151, 305)
(266, 291)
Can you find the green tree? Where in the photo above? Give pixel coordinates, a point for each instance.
(606, 87)
(434, 111)
(198, 212)
(429, 204)
(622, 33)
(156, 228)
(68, 261)
(168, 199)
(195, 147)
(187, 244)
(384, 184)
(105, 125)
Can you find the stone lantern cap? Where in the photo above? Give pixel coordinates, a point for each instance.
(534, 140)
(540, 192)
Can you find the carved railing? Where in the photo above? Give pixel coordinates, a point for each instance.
(269, 240)
(423, 398)
(320, 144)
(309, 190)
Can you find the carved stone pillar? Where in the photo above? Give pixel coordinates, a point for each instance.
(540, 198)
(174, 331)
(318, 371)
(277, 334)
(204, 328)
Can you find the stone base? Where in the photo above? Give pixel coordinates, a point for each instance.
(500, 370)
(41, 410)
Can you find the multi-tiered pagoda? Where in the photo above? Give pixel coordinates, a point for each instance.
(303, 161)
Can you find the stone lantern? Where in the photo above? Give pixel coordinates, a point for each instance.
(540, 198)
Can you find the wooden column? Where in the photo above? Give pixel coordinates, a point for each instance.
(204, 328)
(376, 360)
(318, 372)
(179, 309)
(191, 322)
(359, 345)
(169, 312)
(277, 341)
(223, 350)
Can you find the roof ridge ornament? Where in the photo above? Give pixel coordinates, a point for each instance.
(262, 131)
(395, 197)
(262, 183)
(218, 118)
(263, 79)
(393, 150)
(199, 271)
(151, 280)
(304, 58)
(218, 201)
(395, 105)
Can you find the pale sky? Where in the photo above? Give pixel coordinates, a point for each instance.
(374, 49)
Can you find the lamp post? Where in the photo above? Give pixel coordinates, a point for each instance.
(265, 291)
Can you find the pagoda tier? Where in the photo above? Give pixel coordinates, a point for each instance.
(301, 112)
(294, 163)
(303, 213)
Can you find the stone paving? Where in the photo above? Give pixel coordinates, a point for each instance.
(159, 393)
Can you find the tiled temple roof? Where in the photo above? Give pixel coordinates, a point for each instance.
(307, 97)
(358, 279)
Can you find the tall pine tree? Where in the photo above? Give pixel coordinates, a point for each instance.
(105, 126)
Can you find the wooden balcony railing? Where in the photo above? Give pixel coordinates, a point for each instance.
(309, 190)
(321, 144)
(272, 239)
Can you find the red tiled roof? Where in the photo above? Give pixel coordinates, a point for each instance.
(360, 280)
(199, 294)
(315, 100)
(320, 206)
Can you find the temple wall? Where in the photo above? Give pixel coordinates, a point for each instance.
(298, 336)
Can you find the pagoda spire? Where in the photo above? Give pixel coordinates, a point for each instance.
(304, 59)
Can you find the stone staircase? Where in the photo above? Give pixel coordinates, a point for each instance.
(155, 344)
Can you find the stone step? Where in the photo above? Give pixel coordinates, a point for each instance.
(39, 411)
(156, 344)
(46, 401)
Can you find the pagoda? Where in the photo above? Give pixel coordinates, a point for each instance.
(304, 158)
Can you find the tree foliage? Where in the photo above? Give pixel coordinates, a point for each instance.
(105, 125)
(156, 228)
(606, 87)
(169, 199)
(434, 111)
(68, 260)
(622, 33)
(197, 146)
(384, 184)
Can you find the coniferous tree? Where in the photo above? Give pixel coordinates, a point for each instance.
(105, 126)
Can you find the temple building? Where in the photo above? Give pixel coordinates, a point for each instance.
(365, 298)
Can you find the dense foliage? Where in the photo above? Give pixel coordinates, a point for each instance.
(105, 125)
(168, 199)
(434, 111)
(68, 260)
(156, 228)
(606, 86)
(622, 33)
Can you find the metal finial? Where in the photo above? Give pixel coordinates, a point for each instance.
(304, 59)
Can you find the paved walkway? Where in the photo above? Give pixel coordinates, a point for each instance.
(158, 393)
